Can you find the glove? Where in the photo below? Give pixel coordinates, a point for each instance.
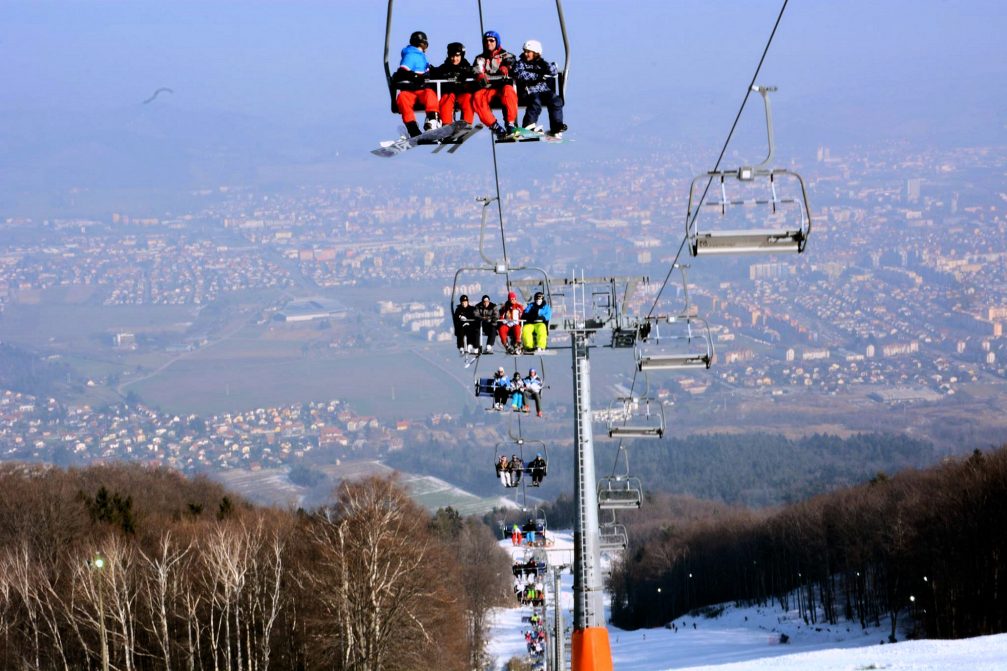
(482, 80)
(504, 71)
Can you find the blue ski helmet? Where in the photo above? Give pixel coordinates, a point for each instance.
(491, 33)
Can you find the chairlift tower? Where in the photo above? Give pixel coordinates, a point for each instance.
(598, 304)
(556, 649)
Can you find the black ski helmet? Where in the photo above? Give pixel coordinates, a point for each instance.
(418, 39)
(456, 48)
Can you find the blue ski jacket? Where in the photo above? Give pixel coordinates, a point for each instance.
(536, 314)
(414, 60)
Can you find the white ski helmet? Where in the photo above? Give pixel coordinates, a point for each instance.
(533, 45)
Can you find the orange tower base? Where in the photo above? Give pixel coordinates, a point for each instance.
(590, 651)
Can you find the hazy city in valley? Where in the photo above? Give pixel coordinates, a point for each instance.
(229, 337)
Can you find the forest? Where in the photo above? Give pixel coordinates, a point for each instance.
(151, 570)
(924, 548)
(752, 469)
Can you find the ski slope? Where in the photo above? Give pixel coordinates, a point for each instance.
(748, 639)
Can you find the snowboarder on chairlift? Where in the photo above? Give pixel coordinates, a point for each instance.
(535, 76)
(457, 92)
(411, 81)
(495, 62)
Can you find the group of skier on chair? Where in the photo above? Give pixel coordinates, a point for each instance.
(473, 88)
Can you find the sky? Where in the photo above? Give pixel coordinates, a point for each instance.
(261, 86)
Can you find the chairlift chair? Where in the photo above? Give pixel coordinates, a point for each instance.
(685, 343)
(526, 279)
(437, 84)
(638, 418)
(620, 492)
(612, 536)
(517, 446)
(751, 240)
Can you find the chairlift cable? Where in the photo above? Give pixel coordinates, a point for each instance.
(615, 462)
(709, 181)
(496, 173)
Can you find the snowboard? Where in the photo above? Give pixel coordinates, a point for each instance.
(458, 138)
(525, 135)
(437, 136)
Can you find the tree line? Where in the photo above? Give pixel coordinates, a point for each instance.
(150, 570)
(925, 548)
(752, 469)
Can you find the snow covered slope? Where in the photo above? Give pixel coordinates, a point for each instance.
(748, 639)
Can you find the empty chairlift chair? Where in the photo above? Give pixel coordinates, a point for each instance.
(684, 342)
(612, 536)
(636, 417)
(765, 183)
(620, 492)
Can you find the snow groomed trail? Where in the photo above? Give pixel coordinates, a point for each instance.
(748, 639)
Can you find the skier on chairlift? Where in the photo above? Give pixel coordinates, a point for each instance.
(537, 469)
(535, 332)
(457, 92)
(466, 327)
(503, 470)
(533, 391)
(535, 76)
(495, 62)
(516, 470)
(517, 393)
(486, 313)
(411, 81)
(511, 315)
(501, 388)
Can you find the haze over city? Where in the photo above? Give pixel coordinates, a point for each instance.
(204, 268)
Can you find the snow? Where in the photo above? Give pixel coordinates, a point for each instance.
(748, 639)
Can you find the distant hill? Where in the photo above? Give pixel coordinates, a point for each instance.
(28, 373)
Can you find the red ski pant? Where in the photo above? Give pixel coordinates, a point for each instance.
(407, 101)
(504, 330)
(508, 98)
(462, 100)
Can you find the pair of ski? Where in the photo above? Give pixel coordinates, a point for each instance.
(454, 134)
